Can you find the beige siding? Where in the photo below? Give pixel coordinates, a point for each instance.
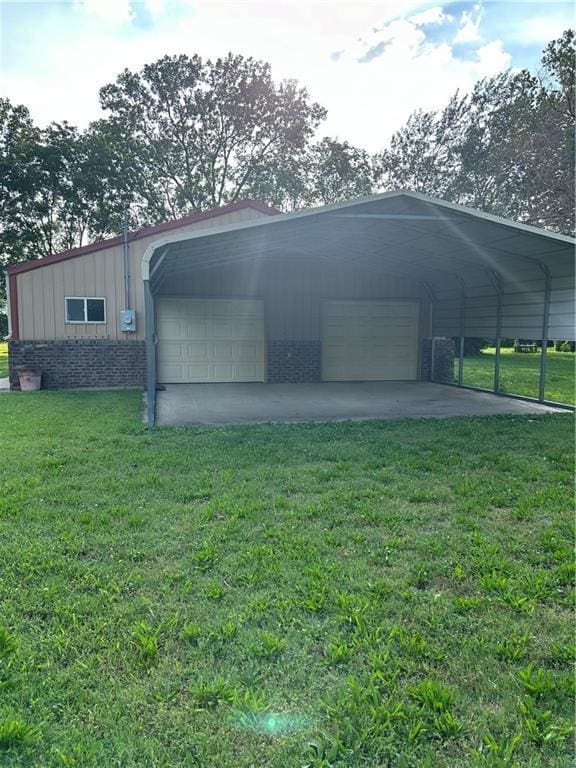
(41, 292)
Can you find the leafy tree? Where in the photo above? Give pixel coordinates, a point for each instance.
(196, 132)
(507, 148)
(327, 171)
(338, 171)
(18, 137)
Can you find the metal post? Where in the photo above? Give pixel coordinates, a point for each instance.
(432, 358)
(462, 329)
(498, 286)
(126, 261)
(545, 323)
(150, 354)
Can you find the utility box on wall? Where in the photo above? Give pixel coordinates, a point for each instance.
(127, 320)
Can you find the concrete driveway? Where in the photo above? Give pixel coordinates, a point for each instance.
(189, 404)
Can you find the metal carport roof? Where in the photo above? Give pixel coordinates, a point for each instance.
(485, 276)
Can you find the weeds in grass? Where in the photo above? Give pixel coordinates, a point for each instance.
(215, 591)
(268, 646)
(536, 680)
(496, 753)
(433, 695)
(191, 633)
(205, 558)
(421, 576)
(315, 600)
(147, 639)
(495, 582)
(540, 724)
(338, 653)
(513, 648)
(324, 753)
(249, 709)
(8, 642)
(15, 733)
(467, 604)
(563, 654)
(353, 611)
(211, 693)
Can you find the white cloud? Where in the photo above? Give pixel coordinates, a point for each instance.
(156, 7)
(78, 53)
(538, 30)
(433, 15)
(111, 11)
(492, 58)
(470, 24)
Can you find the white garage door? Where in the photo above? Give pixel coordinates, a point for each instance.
(210, 340)
(369, 340)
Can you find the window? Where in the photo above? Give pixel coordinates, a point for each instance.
(85, 310)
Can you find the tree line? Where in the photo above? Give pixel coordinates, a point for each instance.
(185, 134)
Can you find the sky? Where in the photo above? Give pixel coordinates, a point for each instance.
(369, 63)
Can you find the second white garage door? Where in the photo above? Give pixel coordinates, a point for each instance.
(369, 340)
(210, 340)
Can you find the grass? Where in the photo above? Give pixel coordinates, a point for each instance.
(349, 595)
(520, 373)
(3, 359)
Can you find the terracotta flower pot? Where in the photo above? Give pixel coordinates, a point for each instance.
(29, 381)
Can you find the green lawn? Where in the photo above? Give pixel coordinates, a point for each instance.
(3, 359)
(351, 595)
(520, 373)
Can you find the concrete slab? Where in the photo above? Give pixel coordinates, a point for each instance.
(190, 404)
(5, 384)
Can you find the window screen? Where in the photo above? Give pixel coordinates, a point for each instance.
(95, 310)
(75, 310)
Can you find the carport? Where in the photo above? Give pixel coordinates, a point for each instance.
(471, 274)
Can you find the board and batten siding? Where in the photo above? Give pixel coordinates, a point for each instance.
(293, 289)
(41, 291)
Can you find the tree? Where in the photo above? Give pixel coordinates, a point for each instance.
(18, 137)
(58, 188)
(196, 132)
(507, 148)
(327, 171)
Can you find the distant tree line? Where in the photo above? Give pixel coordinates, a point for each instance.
(185, 134)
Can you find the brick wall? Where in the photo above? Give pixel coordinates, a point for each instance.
(293, 361)
(80, 363)
(443, 360)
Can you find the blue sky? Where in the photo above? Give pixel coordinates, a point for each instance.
(369, 63)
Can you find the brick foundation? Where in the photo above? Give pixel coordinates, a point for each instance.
(294, 361)
(443, 360)
(80, 363)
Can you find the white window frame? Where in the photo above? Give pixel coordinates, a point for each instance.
(85, 299)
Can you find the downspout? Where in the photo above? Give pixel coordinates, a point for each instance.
(126, 261)
(8, 309)
(150, 354)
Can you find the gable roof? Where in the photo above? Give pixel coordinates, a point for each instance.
(139, 234)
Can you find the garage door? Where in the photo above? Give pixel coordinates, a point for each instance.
(369, 340)
(210, 340)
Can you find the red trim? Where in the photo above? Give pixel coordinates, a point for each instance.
(14, 324)
(25, 266)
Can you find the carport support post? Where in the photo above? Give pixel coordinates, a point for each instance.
(462, 327)
(150, 355)
(545, 323)
(498, 334)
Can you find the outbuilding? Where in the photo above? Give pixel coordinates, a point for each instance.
(373, 289)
